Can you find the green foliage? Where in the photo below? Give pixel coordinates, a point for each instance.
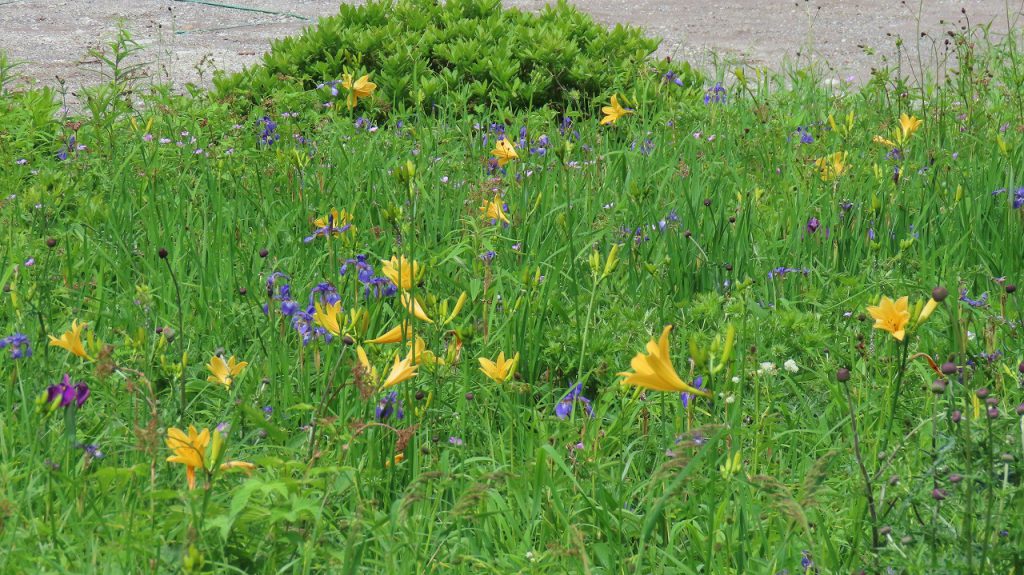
(456, 54)
(166, 229)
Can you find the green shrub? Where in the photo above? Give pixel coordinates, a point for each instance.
(462, 53)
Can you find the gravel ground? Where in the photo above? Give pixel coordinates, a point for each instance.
(185, 40)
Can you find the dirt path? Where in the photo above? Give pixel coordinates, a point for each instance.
(185, 40)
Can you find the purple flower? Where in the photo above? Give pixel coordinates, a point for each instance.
(812, 225)
(685, 397)
(1018, 199)
(19, 344)
(805, 135)
(67, 393)
(974, 302)
(269, 134)
(289, 307)
(91, 449)
(375, 286)
(488, 256)
(390, 405)
(565, 405)
(456, 441)
(715, 94)
(671, 76)
(780, 272)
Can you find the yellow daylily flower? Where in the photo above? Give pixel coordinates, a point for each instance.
(420, 355)
(327, 317)
(908, 125)
(494, 210)
(71, 340)
(885, 142)
(395, 334)
(892, 316)
(614, 112)
(364, 361)
(402, 370)
(361, 88)
(413, 304)
(504, 151)
(243, 465)
(501, 369)
(832, 166)
(654, 370)
(189, 450)
(402, 272)
(224, 372)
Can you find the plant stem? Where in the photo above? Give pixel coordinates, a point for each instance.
(183, 399)
(868, 488)
(896, 396)
(586, 330)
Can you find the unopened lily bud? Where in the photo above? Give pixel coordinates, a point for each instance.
(613, 260)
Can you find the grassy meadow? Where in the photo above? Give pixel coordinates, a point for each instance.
(326, 333)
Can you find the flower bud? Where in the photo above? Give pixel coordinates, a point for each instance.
(1020, 409)
(843, 374)
(955, 478)
(981, 392)
(51, 242)
(1010, 288)
(940, 293)
(938, 387)
(956, 416)
(264, 252)
(993, 412)
(948, 368)
(162, 253)
(885, 530)
(991, 400)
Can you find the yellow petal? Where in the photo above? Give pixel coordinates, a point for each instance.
(413, 304)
